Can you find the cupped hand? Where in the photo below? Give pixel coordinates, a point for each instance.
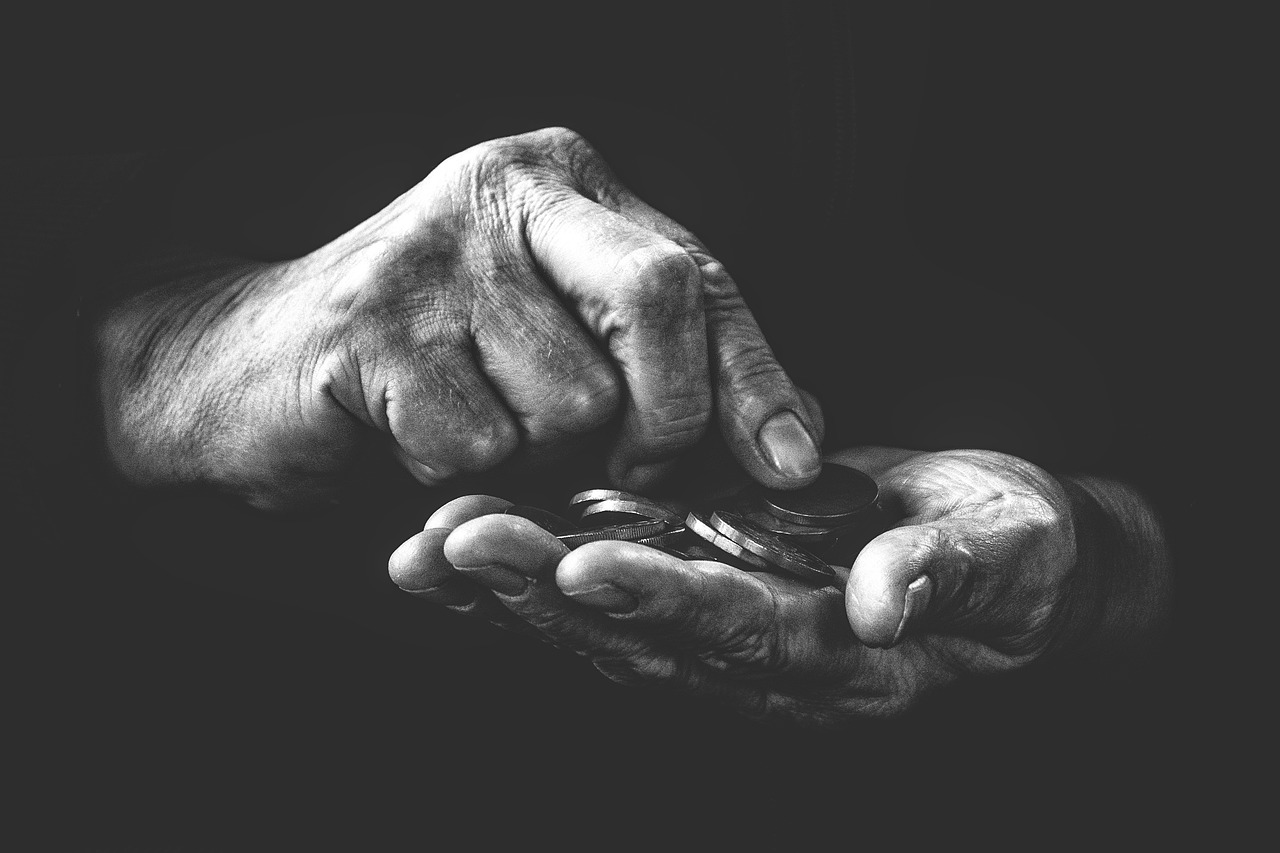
(994, 535)
(519, 297)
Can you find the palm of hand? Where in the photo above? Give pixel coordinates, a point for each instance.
(992, 531)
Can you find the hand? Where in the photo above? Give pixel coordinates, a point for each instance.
(518, 297)
(1012, 578)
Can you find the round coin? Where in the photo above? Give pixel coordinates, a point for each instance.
(672, 538)
(839, 493)
(591, 495)
(626, 532)
(770, 547)
(641, 508)
(701, 527)
(810, 536)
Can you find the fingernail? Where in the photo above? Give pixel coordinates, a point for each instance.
(916, 600)
(498, 578)
(428, 474)
(788, 447)
(607, 597)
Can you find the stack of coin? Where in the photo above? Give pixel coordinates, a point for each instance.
(802, 532)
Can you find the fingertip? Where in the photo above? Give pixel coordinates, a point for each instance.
(587, 566)
(876, 590)
(465, 508)
(789, 449)
(426, 475)
(419, 562)
(626, 565)
(504, 540)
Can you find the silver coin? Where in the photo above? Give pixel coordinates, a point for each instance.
(672, 538)
(770, 547)
(591, 495)
(811, 536)
(703, 529)
(618, 532)
(640, 508)
(839, 493)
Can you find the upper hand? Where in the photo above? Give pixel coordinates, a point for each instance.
(519, 296)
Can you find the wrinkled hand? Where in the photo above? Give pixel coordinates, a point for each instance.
(518, 297)
(995, 534)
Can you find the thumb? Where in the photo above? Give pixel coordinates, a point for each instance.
(905, 577)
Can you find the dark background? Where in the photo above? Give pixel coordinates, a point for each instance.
(1062, 175)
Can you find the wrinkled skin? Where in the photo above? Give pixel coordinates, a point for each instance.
(515, 302)
(993, 532)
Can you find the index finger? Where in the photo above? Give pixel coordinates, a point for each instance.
(771, 430)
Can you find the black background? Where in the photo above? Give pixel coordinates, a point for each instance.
(1070, 168)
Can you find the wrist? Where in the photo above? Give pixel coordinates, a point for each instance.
(1122, 586)
(165, 370)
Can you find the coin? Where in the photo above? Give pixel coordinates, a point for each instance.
(700, 526)
(673, 538)
(839, 493)
(625, 532)
(770, 547)
(810, 536)
(619, 509)
(592, 495)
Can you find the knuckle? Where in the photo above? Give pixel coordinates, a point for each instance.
(655, 273)
(485, 445)
(570, 152)
(679, 424)
(502, 183)
(750, 365)
(566, 393)
(547, 149)
(942, 547)
(495, 155)
(556, 137)
(586, 403)
(721, 291)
